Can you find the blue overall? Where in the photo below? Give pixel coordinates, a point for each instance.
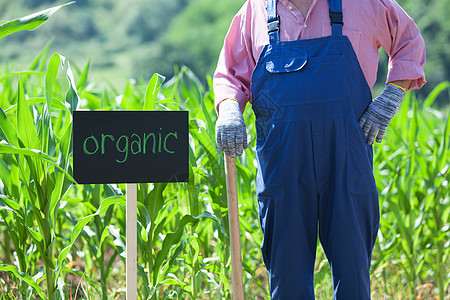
(314, 165)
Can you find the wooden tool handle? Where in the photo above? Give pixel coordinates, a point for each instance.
(131, 241)
(235, 241)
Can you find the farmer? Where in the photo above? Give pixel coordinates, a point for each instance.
(307, 67)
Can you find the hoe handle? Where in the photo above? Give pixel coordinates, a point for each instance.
(235, 241)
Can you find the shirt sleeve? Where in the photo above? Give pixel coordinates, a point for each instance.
(400, 37)
(235, 66)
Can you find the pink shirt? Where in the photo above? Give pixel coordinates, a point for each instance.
(369, 24)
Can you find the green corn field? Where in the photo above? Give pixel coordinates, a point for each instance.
(61, 240)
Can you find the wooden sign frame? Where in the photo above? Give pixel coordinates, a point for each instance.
(130, 146)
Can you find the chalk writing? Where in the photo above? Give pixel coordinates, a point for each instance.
(85, 148)
(150, 143)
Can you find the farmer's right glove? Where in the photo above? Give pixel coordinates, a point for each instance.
(231, 134)
(380, 112)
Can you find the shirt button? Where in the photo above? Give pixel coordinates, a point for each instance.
(290, 7)
(304, 25)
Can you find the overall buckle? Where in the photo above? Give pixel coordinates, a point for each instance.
(274, 25)
(336, 17)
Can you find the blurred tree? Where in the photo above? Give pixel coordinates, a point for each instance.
(37, 3)
(194, 38)
(146, 25)
(432, 19)
(136, 38)
(113, 33)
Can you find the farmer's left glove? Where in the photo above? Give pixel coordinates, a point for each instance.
(231, 134)
(380, 112)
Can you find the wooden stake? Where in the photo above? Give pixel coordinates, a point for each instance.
(131, 241)
(235, 240)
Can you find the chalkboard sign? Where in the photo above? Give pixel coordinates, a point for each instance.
(130, 146)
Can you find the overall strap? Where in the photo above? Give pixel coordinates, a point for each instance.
(337, 20)
(273, 21)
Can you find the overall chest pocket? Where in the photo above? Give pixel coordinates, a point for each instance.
(301, 79)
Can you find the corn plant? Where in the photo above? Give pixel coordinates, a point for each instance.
(167, 215)
(413, 176)
(38, 158)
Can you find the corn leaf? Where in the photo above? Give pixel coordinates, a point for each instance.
(435, 92)
(38, 240)
(11, 203)
(83, 222)
(103, 237)
(119, 240)
(7, 130)
(151, 93)
(22, 73)
(72, 97)
(46, 123)
(56, 61)
(176, 253)
(56, 103)
(193, 192)
(29, 22)
(63, 159)
(39, 61)
(144, 216)
(26, 130)
(442, 155)
(155, 200)
(82, 81)
(173, 238)
(7, 148)
(412, 134)
(25, 277)
(207, 115)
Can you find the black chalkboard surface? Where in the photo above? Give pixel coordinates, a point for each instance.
(130, 146)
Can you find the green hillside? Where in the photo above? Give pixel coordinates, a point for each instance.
(136, 38)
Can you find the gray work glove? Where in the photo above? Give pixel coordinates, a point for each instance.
(231, 135)
(380, 112)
